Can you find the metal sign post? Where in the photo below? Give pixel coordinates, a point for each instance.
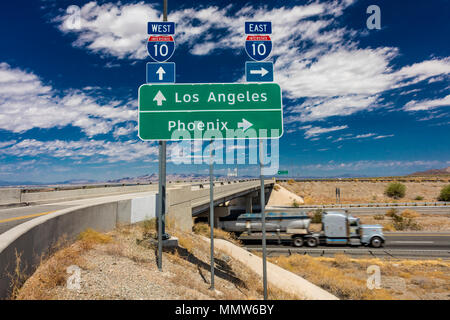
(162, 184)
(263, 218)
(211, 211)
(258, 46)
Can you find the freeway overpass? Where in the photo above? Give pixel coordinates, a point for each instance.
(20, 205)
(32, 221)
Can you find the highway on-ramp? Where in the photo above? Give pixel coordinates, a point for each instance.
(12, 217)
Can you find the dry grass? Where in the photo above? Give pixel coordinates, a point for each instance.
(346, 277)
(122, 265)
(408, 213)
(332, 279)
(205, 230)
(89, 238)
(426, 222)
(52, 271)
(18, 277)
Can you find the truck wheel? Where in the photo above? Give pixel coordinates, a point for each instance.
(311, 242)
(297, 241)
(376, 242)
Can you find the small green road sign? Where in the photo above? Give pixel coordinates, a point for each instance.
(188, 111)
(280, 172)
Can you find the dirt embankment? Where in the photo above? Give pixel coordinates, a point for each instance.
(122, 265)
(324, 192)
(283, 197)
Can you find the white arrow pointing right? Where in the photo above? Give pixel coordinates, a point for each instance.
(244, 124)
(261, 71)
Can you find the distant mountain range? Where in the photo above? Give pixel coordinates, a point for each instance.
(33, 183)
(193, 177)
(154, 177)
(433, 172)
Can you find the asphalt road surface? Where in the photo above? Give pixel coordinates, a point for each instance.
(11, 217)
(398, 245)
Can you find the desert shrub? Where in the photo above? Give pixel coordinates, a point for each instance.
(410, 214)
(401, 223)
(149, 227)
(378, 217)
(391, 212)
(291, 181)
(395, 190)
(445, 194)
(276, 187)
(317, 216)
(418, 198)
(295, 204)
(389, 227)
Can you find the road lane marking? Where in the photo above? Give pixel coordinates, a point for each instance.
(412, 242)
(27, 216)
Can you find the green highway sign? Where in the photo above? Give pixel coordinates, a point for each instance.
(282, 172)
(188, 111)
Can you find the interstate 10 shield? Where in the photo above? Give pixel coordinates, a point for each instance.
(258, 47)
(160, 48)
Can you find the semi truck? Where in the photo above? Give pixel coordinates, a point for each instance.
(338, 228)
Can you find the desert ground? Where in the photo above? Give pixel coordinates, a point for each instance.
(324, 192)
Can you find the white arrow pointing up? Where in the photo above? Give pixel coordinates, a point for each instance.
(160, 73)
(159, 98)
(244, 124)
(261, 71)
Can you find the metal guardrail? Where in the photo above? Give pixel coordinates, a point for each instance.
(49, 188)
(375, 205)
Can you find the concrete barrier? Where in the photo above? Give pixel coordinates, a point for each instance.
(47, 196)
(180, 207)
(10, 196)
(34, 238)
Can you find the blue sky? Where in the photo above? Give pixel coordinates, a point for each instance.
(356, 101)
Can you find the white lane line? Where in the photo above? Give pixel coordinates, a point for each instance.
(416, 242)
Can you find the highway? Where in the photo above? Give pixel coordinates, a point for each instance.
(398, 245)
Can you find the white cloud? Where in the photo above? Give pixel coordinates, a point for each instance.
(315, 131)
(359, 136)
(26, 103)
(7, 143)
(367, 164)
(124, 131)
(108, 151)
(315, 57)
(385, 136)
(427, 104)
(320, 108)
